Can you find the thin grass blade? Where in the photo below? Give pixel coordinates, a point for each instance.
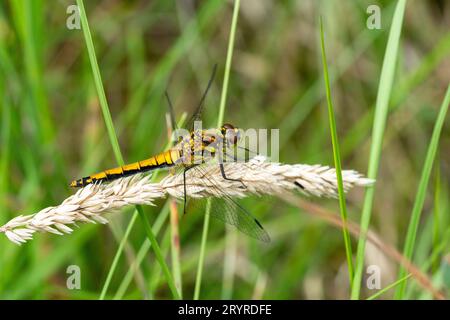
(422, 189)
(337, 159)
(379, 124)
(219, 123)
(115, 144)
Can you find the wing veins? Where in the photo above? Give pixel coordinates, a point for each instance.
(233, 213)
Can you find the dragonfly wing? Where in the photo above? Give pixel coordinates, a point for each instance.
(227, 210)
(173, 121)
(198, 112)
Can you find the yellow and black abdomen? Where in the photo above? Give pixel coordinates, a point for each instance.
(162, 160)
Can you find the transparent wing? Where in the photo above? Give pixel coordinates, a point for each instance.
(173, 121)
(227, 210)
(198, 112)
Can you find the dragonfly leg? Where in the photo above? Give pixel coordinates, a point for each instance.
(222, 171)
(184, 186)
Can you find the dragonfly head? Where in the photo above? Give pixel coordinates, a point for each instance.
(231, 134)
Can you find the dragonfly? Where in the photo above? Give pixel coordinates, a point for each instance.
(192, 151)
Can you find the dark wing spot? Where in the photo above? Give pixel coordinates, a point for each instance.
(299, 185)
(259, 224)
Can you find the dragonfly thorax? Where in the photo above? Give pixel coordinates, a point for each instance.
(201, 145)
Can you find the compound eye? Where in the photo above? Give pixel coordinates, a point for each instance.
(232, 136)
(231, 133)
(238, 134)
(228, 126)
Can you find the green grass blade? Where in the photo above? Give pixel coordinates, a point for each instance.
(337, 159)
(421, 191)
(99, 84)
(389, 287)
(158, 254)
(198, 278)
(146, 245)
(29, 281)
(157, 226)
(226, 77)
(230, 233)
(406, 85)
(155, 273)
(175, 246)
(219, 123)
(381, 111)
(436, 210)
(114, 141)
(117, 256)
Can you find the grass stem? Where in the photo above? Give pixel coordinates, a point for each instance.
(219, 123)
(337, 159)
(379, 124)
(115, 145)
(421, 190)
(198, 279)
(389, 287)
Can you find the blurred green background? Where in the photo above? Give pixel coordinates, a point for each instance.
(52, 130)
